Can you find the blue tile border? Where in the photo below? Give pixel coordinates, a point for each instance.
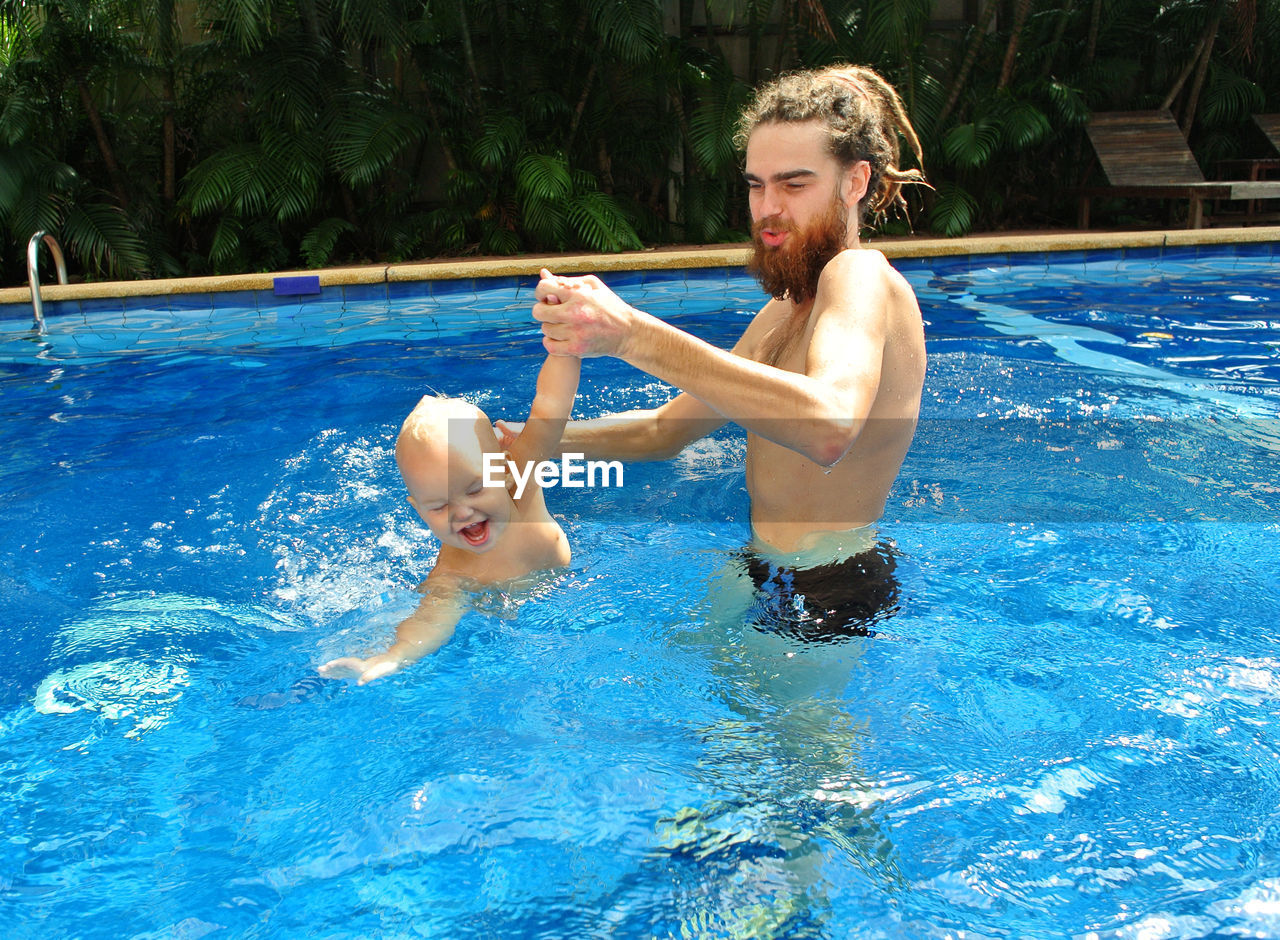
(1142, 254)
(456, 298)
(364, 293)
(1257, 250)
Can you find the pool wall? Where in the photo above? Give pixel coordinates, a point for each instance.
(373, 284)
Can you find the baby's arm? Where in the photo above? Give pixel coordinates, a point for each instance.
(424, 631)
(539, 439)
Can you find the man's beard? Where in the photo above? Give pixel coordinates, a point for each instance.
(792, 269)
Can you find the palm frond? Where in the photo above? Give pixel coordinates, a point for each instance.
(711, 128)
(100, 235)
(501, 138)
(463, 186)
(499, 240)
(953, 211)
(1023, 125)
(628, 29)
(288, 85)
(20, 169)
(245, 22)
(544, 220)
(1229, 98)
(890, 27)
(598, 223)
(224, 248)
(704, 210)
(18, 117)
(318, 244)
(543, 176)
(971, 145)
(448, 228)
(365, 141)
(1070, 104)
(545, 106)
(229, 179)
(35, 190)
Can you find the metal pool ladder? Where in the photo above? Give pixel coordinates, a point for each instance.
(33, 272)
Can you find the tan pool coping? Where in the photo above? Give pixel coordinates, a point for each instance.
(655, 259)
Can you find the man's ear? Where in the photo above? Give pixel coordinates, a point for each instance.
(857, 178)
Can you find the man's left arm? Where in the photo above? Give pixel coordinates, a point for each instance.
(818, 414)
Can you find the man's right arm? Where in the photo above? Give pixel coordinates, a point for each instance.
(652, 434)
(647, 434)
(657, 433)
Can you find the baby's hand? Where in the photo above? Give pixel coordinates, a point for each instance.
(507, 432)
(362, 670)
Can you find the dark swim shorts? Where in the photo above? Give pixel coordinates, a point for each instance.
(828, 603)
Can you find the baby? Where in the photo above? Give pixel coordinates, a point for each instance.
(488, 533)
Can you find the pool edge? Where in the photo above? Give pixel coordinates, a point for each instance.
(709, 256)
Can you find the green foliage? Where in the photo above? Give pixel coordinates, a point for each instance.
(1230, 98)
(628, 29)
(954, 210)
(366, 139)
(318, 244)
(102, 234)
(713, 122)
(314, 133)
(972, 145)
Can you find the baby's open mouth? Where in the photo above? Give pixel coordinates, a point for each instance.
(476, 533)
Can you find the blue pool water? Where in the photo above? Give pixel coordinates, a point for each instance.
(1069, 729)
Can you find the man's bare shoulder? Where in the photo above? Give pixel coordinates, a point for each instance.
(863, 274)
(862, 263)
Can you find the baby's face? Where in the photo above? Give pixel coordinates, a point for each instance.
(446, 487)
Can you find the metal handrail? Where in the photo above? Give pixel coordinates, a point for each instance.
(33, 272)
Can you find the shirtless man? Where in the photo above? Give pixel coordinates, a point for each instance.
(828, 376)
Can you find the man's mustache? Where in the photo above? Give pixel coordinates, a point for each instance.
(774, 223)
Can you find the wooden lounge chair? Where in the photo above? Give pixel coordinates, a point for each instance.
(1269, 124)
(1144, 154)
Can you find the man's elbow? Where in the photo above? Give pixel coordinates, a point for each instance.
(663, 439)
(834, 441)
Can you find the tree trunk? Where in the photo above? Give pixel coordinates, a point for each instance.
(784, 37)
(433, 118)
(1183, 76)
(1095, 24)
(310, 19)
(500, 12)
(166, 48)
(1059, 30)
(755, 28)
(581, 106)
(104, 144)
(970, 59)
(469, 55)
(605, 162)
(1011, 52)
(1193, 99)
(170, 132)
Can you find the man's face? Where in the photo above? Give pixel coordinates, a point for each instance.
(800, 205)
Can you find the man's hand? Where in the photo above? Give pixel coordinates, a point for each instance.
(582, 317)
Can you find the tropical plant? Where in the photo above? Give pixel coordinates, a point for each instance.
(156, 137)
(51, 67)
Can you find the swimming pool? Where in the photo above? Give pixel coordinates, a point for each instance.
(1068, 730)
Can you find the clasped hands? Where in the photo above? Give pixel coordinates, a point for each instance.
(582, 317)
